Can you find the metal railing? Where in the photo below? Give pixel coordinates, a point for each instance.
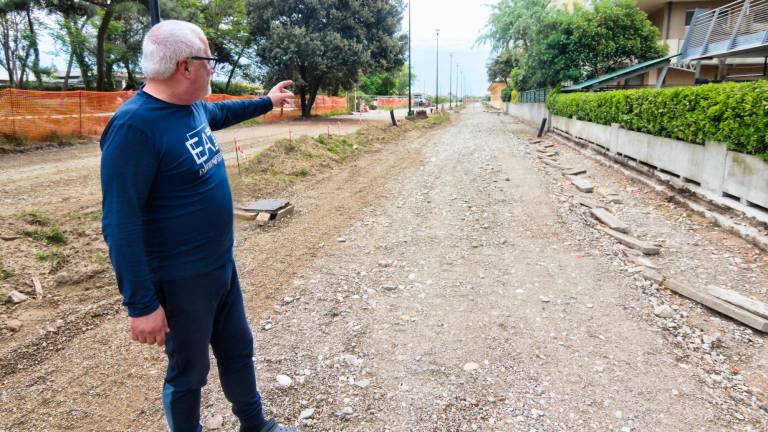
(736, 27)
(533, 96)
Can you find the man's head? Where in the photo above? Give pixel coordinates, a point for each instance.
(170, 57)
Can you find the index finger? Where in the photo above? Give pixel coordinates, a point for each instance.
(283, 84)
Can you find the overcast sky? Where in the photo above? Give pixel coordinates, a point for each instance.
(460, 23)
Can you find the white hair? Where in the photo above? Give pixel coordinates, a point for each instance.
(168, 42)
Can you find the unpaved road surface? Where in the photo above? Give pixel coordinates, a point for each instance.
(450, 283)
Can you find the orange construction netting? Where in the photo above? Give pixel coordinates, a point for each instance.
(46, 115)
(391, 101)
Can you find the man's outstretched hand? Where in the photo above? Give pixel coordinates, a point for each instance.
(280, 95)
(150, 329)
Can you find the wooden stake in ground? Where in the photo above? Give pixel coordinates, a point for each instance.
(38, 288)
(238, 151)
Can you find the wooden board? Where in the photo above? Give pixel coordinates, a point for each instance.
(744, 302)
(610, 220)
(631, 242)
(722, 306)
(244, 215)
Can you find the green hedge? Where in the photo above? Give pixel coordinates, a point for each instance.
(733, 113)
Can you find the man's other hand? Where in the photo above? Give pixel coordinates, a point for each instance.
(150, 329)
(280, 95)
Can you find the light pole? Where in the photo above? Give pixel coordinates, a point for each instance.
(410, 110)
(457, 83)
(437, 64)
(450, 80)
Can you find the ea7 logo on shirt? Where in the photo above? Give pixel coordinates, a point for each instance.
(202, 145)
(201, 142)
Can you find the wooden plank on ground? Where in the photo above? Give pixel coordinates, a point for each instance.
(629, 241)
(38, 288)
(722, 306)
(262, 218)
(736, 299)
(244, 215)
(612, 221)
(581, 183)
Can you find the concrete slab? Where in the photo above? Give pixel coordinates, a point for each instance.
(629, 241)
(575, 171)
(263, 218)
(582, 184)
(722, 306)
(588, 202)
(610, 220)
(736, 299)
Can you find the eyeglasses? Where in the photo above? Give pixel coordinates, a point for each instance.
(211, 60)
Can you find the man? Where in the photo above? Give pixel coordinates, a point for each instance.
(167, 218)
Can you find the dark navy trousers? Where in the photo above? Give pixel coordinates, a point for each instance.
(205, 310)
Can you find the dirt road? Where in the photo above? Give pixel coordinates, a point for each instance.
(449, 283)
(70, 175)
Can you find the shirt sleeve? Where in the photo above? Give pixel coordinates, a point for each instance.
(129, 162)
(227, 113)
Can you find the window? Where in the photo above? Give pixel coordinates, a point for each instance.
(689, 17)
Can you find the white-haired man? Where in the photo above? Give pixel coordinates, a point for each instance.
(167, 218)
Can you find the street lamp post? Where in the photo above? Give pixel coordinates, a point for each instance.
(457, 83)
(450, 80)
(437, 65)
(410, 110)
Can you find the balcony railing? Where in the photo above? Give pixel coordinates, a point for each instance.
(737, 28)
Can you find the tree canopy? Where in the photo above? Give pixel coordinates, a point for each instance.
(568, 46)
(325, 44)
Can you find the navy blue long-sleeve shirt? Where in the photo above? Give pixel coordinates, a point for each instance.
(167, 205)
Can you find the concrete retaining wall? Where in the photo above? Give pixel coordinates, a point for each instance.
(712, 165)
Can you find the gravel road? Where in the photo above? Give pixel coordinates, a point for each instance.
(446, 283)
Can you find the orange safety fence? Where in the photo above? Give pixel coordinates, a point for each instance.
(391, 101)
(46, 115)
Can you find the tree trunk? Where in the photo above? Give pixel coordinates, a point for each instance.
(232, 72)
(35, 49)
(69, 69)
(8, 50)
(77, 51)
(23, 71)
(101, 36)
(131, 84)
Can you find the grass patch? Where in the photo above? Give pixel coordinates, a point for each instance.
(335, 112)
(51, 235)
(54, 257)
(11, 144)
(288, 161)
(35, 217)
(5, 273)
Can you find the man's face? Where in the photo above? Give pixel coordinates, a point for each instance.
(202, 73)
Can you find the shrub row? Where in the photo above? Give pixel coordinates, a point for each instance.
(732, 113)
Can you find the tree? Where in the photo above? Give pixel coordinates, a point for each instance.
(325, 43)
(18, 36)
(564, 46)
(499, 67)
(512, 24)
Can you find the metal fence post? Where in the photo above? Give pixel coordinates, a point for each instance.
(13, 115)
(80, 102)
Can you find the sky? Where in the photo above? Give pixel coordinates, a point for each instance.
(460, 23)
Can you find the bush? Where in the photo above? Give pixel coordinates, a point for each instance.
(235, 88)
(732, 113)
